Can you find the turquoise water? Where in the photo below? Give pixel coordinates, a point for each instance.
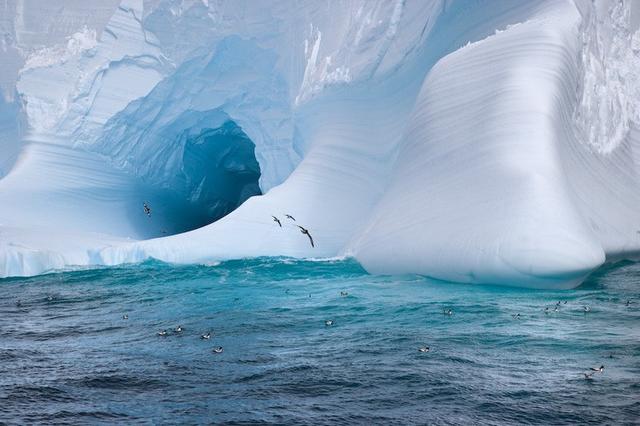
(69, 357)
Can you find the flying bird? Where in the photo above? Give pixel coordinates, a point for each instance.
(306, 232)
(276, 220)
(288, 216)
(147, 209)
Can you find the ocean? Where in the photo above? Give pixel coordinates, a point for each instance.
(69, 356)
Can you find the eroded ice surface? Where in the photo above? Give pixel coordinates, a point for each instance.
(485, 142)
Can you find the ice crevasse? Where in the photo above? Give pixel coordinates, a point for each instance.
(471, 141)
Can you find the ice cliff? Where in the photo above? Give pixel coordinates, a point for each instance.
(471, 141)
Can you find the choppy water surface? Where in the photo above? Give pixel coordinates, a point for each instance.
(68, 356)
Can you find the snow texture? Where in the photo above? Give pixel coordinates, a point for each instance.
(470, 140)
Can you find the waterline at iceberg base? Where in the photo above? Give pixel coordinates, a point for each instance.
(468, 141)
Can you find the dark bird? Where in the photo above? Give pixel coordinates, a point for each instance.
(276, 220)
(516, 316)
(147, 209)
(328, 323)
(306, 232)
(344, 294)
(19, 303)
(588, 375)
(217, 350)
(162, 333)
(597, 370)
(586, 309)
(288, 216)
(447, 312)
(628, 302)
(423, 349)
(546, 311)
(206, 336)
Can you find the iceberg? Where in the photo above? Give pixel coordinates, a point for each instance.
(476, 142)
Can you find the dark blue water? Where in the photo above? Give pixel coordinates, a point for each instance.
(68, 357)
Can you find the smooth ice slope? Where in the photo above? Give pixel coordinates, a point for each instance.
(473, 141)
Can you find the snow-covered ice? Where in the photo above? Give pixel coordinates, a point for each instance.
(481, 142)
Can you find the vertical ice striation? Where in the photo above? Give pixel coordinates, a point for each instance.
(473, 141)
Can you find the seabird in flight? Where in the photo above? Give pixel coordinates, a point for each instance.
(147, 209)
(276, 220)
(288, 216)
(306, 232)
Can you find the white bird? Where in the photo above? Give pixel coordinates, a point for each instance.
(125, 317)
(162, 333)
(179, 329)
(328, 323)
(586, 309)
(423, 349)
(217, 350)
(206, 336)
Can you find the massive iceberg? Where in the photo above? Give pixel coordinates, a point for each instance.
(470, 141)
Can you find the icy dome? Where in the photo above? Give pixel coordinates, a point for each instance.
(470, 141)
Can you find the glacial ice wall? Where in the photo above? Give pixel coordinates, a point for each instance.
(472, 141)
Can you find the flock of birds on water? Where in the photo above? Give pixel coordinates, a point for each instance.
(422, 349)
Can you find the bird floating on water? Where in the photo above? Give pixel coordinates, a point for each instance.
(179, 329)
(598, 369)
(546, 311)
(586, 309)
(516, 316)
(423, 349)
(344, 294)
(217, 350)
(125, 317)
(162, 333)
(276, 220)
(288, 216)
(328, 323)
(306, 232)
(447, 312)
(206, 336)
